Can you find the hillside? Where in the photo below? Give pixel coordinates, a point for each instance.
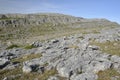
(53, 46)
(22, 26)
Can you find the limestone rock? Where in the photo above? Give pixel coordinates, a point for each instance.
(26, 69)
(3, 62)
(53, 78)
(86, 76)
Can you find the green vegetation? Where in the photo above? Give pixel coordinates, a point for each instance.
(112, 48)
(21, 32)
(4, 73)
(29, 47)
(12, 46)
(74, 46)
(107, 74)
(96, 31)
(26, 76)
(9, 18)
(26, 57)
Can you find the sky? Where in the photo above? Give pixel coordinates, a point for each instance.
(109, 9)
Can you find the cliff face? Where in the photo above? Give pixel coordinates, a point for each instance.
(35, 19)
(53, 18)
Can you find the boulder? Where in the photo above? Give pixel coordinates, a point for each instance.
(54, 41)
(37, 44)
(26, 69)
(93, 47)
(3, 62)
(64, 72)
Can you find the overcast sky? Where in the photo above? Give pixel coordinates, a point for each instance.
(109, 9)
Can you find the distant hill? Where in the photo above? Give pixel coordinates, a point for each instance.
(35, 19)
(15, 20)
(20, 26)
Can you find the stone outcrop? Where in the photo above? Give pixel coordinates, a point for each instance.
(35, 19)
(17, 20)
(3, 62)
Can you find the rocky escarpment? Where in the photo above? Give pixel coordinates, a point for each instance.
(17, 20)
(35, 19)
(68, 58)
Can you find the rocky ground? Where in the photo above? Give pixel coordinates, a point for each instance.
(58, 47)
(74, 57)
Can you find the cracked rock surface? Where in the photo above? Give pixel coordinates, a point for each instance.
(72, 57)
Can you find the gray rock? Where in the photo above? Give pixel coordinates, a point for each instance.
(64, 72)
(41, 69)
(116, 62)
(5, 78)
(115, 58)
(32, 67)
(37, 44)
(12, 77)
(26, 69)
(11, 66)
(3, 62)
(93, 47)
(53, 78)
(54, 41)
(95, 66)
(85, 76)
(84, 45)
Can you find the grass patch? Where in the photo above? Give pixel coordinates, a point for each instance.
(112, 48)
(21, 32)
(26, 57)
(74, 46)
(95, 31)
(47, 74)
(12, 46)
(33, 75)
(29, 47)
(9, 18)
(5, 73)
(107, 74)
(27, 76)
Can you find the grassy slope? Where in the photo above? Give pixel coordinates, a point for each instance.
(112, 48)
(108, 74)
(44, 31)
